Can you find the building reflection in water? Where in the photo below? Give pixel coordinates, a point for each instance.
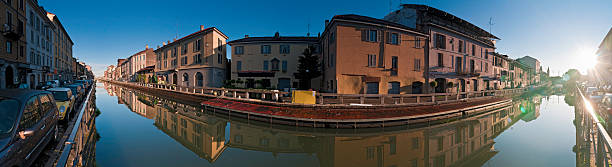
(465, 142)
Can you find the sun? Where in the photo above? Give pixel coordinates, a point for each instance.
(585, 58)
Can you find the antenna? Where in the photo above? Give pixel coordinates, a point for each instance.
(491, 24)
(308, 28)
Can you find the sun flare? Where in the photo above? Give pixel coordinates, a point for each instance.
(585, 58)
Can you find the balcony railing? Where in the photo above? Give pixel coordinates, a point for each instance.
(11, 31)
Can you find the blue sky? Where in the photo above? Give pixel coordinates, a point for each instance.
(563, 34)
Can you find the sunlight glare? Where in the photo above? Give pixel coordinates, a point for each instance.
(585, 58)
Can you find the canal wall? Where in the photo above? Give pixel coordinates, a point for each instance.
(333, 116)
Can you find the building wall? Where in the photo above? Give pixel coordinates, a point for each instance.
(212, 56)
(483, 60)
(12, 50)
(346, 60)
(253, 60)
(39, 52)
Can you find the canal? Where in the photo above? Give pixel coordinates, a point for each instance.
(140, 129)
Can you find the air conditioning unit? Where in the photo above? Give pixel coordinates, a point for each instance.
(6, 27)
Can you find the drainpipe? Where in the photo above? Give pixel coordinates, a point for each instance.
(426, 63)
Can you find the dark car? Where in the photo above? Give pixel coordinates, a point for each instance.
(77, 90)
(28, 121)
(44, 85)
(83, 82)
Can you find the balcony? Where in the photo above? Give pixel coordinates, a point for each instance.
(9, 31)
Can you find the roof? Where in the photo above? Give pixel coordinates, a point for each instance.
(275, 39)
(193, 34)
(354, 17)
(20, 94)
(54, 17)
(606, 43)
(58, 89)
(452, 18)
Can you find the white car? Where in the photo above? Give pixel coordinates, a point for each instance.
(590, 90)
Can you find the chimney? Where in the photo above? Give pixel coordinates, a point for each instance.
(326, 22)
(164, 43)
(276, 35)
(168, 42)
(246, 36)
(174, 40)
(157, 46)
(147, 46)
(201, 27)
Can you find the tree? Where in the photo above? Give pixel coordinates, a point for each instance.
(308, 67)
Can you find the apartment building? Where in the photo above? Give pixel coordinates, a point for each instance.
(13, 61)
(364, 55)
(141, 60)
(62, 50)
(501, 69)
(534, 65)
(459, 52)
(272, 61)
(196, 60)
(38, 48)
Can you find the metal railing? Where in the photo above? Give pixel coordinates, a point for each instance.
(80, 146)
(597, 133)
(337, 99)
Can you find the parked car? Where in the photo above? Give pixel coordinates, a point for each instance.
(64, 100)
(76, 89)
(54, 83)
(590, 90)
(28, 121)
(83, 82)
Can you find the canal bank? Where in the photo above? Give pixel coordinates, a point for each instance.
(137, 129)
(438, 107)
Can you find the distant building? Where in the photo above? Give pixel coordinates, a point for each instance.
(534, 68)
(62, 50)
(271, 60)
(141, 60)
(196, 60)
(364, 55)
(459, 52)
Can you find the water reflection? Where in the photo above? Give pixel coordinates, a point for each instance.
(465, 142)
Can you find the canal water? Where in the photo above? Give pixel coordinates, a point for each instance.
(140, 129)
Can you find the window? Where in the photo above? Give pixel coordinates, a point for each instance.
(486, 67)
(332, 38)
(239, 66)
(284, 49)
(440, 60)
(394, 88)
(265, 49)
(197, 45)
(372, 35)
(219, 58)
(440, 41)
(174, 50)
(473, 50)
(183, 60)
(220, 44)
(417, 64)
(394, 39)
(184, 49)
(371, 60)
(265, 65)
(284, 65)
(415, 143)
(461, 46)
(275, 64)
(9, 18)
(9, 48)
(486, 54)
(239, 50)
(185, 77)
(197, 59)
(393, 65)
(31, 114)
(370, 152)
(417, 42)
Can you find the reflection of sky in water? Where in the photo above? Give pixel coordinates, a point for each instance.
(130, 139)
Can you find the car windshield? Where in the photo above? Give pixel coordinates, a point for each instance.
(9, 109)
(60, 95)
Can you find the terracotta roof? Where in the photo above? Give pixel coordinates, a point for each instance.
(194, 34)
(275, 39)
(355, 17)
(447, 16)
